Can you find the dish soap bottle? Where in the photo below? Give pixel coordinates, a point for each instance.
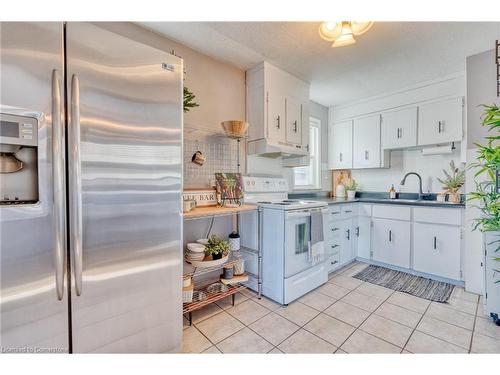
(392, 192)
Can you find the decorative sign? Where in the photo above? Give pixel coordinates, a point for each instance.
(229, 185)
(202, 197)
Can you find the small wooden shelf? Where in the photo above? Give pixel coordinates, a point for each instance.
(208, 211)
(188, 308)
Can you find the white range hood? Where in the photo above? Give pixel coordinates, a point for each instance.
(274, 149)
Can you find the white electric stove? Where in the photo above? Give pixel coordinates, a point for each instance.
(287, 269)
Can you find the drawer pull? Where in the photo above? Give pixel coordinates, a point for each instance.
(348, 211)
(334, 229)
(335, 212)
(334, 246)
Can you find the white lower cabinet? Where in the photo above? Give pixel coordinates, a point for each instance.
(391, 242)
(362, 239)
(346, 253)
(436, 249)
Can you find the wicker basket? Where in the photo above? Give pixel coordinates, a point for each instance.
(216, 288)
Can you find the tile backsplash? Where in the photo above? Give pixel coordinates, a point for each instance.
(221, 156)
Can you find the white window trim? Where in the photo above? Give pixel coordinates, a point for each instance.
(313, 121)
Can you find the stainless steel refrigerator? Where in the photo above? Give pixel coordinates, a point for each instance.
(90, 190)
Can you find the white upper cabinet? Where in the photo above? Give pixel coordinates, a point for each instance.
(277, 111)
(399, 128)
(276, 116)
(366, 143)
(440, 122)
(293, 121)
(340, 145)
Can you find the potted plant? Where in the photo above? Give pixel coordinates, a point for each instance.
(351, 187)
(217, 247)
(487, 195)
(453, 182)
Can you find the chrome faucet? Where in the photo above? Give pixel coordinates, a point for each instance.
(420, 192)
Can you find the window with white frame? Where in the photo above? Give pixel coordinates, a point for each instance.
(309, 177)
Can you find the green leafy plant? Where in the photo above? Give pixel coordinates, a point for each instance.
(216, 246)
(189, 98)
(486, 176)
(454, 180)
(351, 185)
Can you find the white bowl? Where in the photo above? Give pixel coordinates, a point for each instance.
(203, 241)
(196, 247)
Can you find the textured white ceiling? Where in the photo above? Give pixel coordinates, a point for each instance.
(390, 56)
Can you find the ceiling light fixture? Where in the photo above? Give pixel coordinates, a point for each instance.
(342, 33)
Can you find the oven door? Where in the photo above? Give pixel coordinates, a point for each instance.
(298, 240)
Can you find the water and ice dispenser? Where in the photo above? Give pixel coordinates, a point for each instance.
(18, 159)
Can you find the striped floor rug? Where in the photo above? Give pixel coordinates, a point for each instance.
(404, 282)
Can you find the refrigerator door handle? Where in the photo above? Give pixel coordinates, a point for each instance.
(76, 185)
(58, 186)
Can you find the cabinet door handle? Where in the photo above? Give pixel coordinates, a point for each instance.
(295, 126)
(335, 212)
(366, 155)
(348, 211)
(357, 231)
(334, 229)
(334, 246)
(348, 231)
(390, 236)
(278, 122)
(340, 156)
(398, 134)
(435, 243)
(440, 126)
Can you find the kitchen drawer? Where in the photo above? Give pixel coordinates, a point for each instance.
(334, 230)
(391, 212)
(450, 216)
(332, 263)
(347, 210)
(334, 211)
(364, 209)
(332, 247)
(298, 285)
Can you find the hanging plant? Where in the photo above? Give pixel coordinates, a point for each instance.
(188, 97)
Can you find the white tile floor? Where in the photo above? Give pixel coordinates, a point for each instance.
(345, 315)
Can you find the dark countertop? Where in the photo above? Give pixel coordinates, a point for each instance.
(404, 199)
(401, 202)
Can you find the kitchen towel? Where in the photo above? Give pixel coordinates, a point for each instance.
(317, 237)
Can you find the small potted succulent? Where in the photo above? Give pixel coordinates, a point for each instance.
(453, 182)
(217, 247)
(351, 187)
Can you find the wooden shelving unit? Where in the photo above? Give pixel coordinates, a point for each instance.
(193, 272)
